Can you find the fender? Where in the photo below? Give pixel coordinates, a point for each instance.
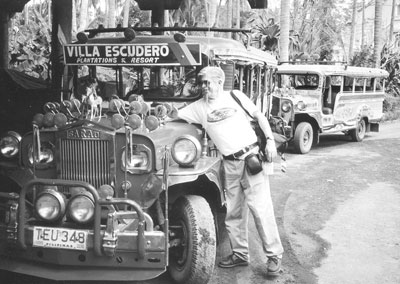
(205, 166)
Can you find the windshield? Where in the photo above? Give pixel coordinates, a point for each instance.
(154, 83)
(298, 81)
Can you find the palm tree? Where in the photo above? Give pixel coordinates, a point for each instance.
(111, 14)
(392, 22)
(212, 12)
(284, 33)
(377, 33)
(353, 23)
(229, 12)
(363, 25)
(125, 21)
(83, 14)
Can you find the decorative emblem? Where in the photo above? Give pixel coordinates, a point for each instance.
(220, 114)
(83, 133)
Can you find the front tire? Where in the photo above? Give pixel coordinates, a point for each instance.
(192, 257)
(358, 134)
(303, 138)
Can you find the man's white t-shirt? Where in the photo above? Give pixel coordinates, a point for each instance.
(224, 120)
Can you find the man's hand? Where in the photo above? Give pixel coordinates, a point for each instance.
(270, 150)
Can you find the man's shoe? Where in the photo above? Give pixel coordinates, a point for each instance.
(232, 261)
(274, 266)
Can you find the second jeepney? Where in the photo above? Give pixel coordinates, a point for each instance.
(314, 99)
(109, 185)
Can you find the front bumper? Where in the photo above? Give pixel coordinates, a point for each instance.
(120, 247)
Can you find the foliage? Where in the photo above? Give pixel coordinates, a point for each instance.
(269, 33)
(363, 58)
(313, 32)
(390, 61)
(29, 44)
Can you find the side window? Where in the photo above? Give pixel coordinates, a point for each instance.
(359, 84)
(369, 84)
(348, 84)
(336, 83)
(284, 80)
(306, 82)
(378, 84)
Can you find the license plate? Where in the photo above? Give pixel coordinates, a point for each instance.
(60, 238)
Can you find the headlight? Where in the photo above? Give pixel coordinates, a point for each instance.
(45, 156)
(80, 207)
(301, 105)
(50, 205)
(9, 144)
(186, 150)
(286, 106)
(138, 159)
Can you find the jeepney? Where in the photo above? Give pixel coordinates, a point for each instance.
(316, 99)
(109, 184)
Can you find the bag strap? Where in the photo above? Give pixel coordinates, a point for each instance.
(241, 105)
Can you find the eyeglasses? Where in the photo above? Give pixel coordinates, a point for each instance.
(200, 83)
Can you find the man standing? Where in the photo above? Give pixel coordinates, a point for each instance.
(229, 127)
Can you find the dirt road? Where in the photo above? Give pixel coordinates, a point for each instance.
(341, 220)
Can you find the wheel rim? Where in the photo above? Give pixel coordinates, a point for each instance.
(306, 138)
(361, 128)
(180, 254)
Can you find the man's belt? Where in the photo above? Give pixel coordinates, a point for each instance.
(235, 156)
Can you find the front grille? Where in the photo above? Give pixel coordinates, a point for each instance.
(85, 160)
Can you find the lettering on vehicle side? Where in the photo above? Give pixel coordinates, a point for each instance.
(83, 133)
(126, 54)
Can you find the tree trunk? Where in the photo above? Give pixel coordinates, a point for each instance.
(49, 11)
(353, 23)
(166, 19)
(229, 10)
(218, 11)
(62, 12)
(237, 24)
(106, 8)
(111, 14)
(83, 15)
(363, 25)
(284, 36)
(125, 21)
(377, 33)
(4, 35)
(212, 12)
(392, 22)
(73, 17)
(26, 14)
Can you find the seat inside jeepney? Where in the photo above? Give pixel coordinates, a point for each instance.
(329, 98)
(326, 97)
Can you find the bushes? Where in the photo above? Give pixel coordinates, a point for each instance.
(390, 62)
(30, 44)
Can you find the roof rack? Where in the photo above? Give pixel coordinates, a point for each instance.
(101, 29)
(315, 62)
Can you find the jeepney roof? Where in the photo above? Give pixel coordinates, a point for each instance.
(332, 70)
(221, 48)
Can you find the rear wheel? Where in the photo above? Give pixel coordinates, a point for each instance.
(358, 134)
(193, 241)
(303, 138)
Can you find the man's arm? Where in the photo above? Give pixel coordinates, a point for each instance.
(270, 148)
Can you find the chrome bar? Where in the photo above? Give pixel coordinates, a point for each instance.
(85, 160)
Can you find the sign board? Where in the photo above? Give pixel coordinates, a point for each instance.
(133, 54)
